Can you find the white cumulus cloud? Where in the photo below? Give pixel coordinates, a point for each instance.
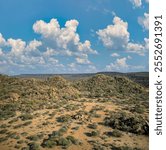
(62, 39)
(17, 46)
(140, 49)
(2, 40)
(144, 21)
(117, 37)
(136, 3)
(55, 42)
(115, 55)
(119, 65)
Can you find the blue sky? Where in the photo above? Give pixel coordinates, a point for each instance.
(73, 36)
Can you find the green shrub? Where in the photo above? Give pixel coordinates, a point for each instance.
(124, 148)
(8, 110)
(55, 134)
(123, 121)
(3, 131)
(63, 142)
(93, 133)
(13, 135)
(33, 137)
(72, 139)
(24, 133)
(3, 126)
(17, 146)
(13, 120)
(48, 143)
(65, 118)
(20, 142)
(33, 146)
(92, 126)
(25, 148)
(2, 139)
(63, 129)
(24, 117)
(115, 133)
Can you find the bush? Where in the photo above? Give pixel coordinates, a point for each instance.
(72, 139)
(25, 148)
(115, 133)
(33, 137)
(55, 134)
(13, 135)
(3, 131)
(2, 139)
(17, 146)
(24, 117)
(63, 142)
(63, 129)
(93, 133)
(65, 118)
(48, 143)
(20, 142)
(93, 126)
(34, 146)
(124, 148)
(7, 111)
(123, 121)
(13, 120)
(24, 133)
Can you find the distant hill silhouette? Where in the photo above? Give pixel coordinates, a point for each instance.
(139, 77)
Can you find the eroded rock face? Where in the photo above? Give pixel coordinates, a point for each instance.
(128, 122)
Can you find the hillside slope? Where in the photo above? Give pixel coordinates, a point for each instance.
(106, 86)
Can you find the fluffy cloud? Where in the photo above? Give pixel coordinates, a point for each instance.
(140, 49)
(114, 34)
(2, 40)
(82, 61)
(117, 37)
(17, 46)
(118, 65)
(79, 68)
(115, 55)
(122, 65)
(62, 39)
(144, 21)
(55, 42)
(136, 3)
(33, 45)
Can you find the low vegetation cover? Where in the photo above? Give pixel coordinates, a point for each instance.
(97, 112)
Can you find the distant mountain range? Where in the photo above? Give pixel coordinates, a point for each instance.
(139, 77)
